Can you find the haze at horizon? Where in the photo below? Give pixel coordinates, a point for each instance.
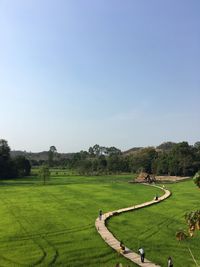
(77, 73)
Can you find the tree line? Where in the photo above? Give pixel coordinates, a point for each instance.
(9, 167)
(180, 159)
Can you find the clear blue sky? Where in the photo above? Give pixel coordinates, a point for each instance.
(74, 73)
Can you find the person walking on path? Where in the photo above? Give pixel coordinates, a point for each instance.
(100, 215)
(142, 254)
(122, 247)
(170, 262)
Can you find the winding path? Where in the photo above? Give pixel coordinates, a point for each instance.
(114, 243)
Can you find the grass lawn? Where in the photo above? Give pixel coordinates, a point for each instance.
(154, 227)
(53, 225)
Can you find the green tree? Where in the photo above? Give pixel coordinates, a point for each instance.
(196, 179)
(96, 150)
(114, 163)
(7, 166)
(143, 159)
(12, 168)
(91, 152)
(23, 166)
(174, 165)
(161, 164)
(197, 145)
(85, 167)
(44, 173)
(181, 160)
(113, 151)
(51, 153)
(83, 154)
(102, 163)
(166, 146)
(197, 155)
(4, 149)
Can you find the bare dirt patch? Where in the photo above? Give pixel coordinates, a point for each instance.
(169, 178)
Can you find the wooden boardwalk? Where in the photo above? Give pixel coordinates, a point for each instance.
(114, 243)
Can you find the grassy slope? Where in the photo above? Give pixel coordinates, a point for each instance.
(54, 224)
(154, 227)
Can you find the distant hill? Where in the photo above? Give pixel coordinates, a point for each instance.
(132, 150)
(166, 146)
(43, 156)
(40, 155)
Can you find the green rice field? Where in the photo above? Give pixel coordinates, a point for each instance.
(53, 225)
(154, 227)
